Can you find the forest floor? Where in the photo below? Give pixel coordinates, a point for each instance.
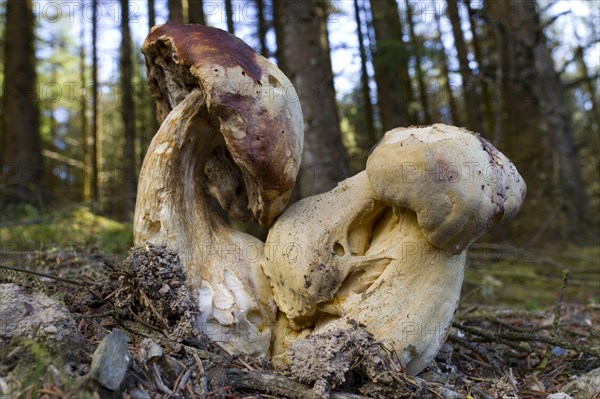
(526, 328)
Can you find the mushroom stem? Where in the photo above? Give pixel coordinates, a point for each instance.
(421, 284)
(222, 265)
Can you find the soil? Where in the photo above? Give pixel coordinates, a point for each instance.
(490, 352)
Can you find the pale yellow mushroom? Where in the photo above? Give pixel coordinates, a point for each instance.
(386, 248)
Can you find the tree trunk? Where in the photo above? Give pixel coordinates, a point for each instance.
(454, 115)
(262, 28)
(418, 69)
(394, 89)
(127, 110)
(585, 74)
(279, 18)
(364, 80)
(94, 191)
(151, 14)
(229, 16)
(538, 135)
(176, 11)
(153, 122)
(486, 98)
(85, 189)
(22, 150)
(305, 50)
(469, 84)
(196, 12)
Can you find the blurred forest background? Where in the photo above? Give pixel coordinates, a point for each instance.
(77, 116)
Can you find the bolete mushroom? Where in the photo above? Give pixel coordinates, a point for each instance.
(232, 134)
(386, 248)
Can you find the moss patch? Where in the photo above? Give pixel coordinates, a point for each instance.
(78, 230)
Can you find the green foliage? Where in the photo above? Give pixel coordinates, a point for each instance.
(77, 228)
(532, 278)
(39, 362)
(40, 359)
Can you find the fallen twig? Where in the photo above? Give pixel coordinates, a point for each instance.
(526, 337)
(26, 271)
(276, 384)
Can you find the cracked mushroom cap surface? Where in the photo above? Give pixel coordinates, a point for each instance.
(253, 111)
(456, 182)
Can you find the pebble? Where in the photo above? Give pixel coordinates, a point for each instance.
(559, 395)
(585, 387)
(448, 394)
(139, 394)
(164, 289)
(110, 360)
(152, 351)
(50, 330)
(558, 351)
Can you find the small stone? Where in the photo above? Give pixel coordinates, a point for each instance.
(448, 394)
(164, 289)
(4, 389)
(152, 351)
(139, 394)
(585, 386)
(558, 351)
(110, 360)
(445, 353)
(536, 386)
(559, 395)
(50, 330)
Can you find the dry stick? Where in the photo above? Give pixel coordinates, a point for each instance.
(65, 280)
(475, 348)
(525, 337)
(556, 320)
(276, 385)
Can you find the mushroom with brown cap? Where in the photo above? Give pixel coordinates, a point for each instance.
(386, 248)
(231, 129)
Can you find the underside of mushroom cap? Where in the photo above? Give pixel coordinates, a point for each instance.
(456, 182)
(253, 110)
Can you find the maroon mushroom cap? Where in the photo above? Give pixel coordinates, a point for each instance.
(250, 103)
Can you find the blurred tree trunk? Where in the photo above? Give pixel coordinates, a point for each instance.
(305, 49)
(176, 11)
(94, 192)
(22, 148)
(127, 110)
(279, 18)
(486, 98)
(537, 131)
(262, 28)
(151, 14)
(196, 12)
(153, 122)
(2, 32)
(585, 74)
(394, 89)
(229, 16)
(364, 81)
(443, 59)
(418, 69)
(470, 95)
(85, 189)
